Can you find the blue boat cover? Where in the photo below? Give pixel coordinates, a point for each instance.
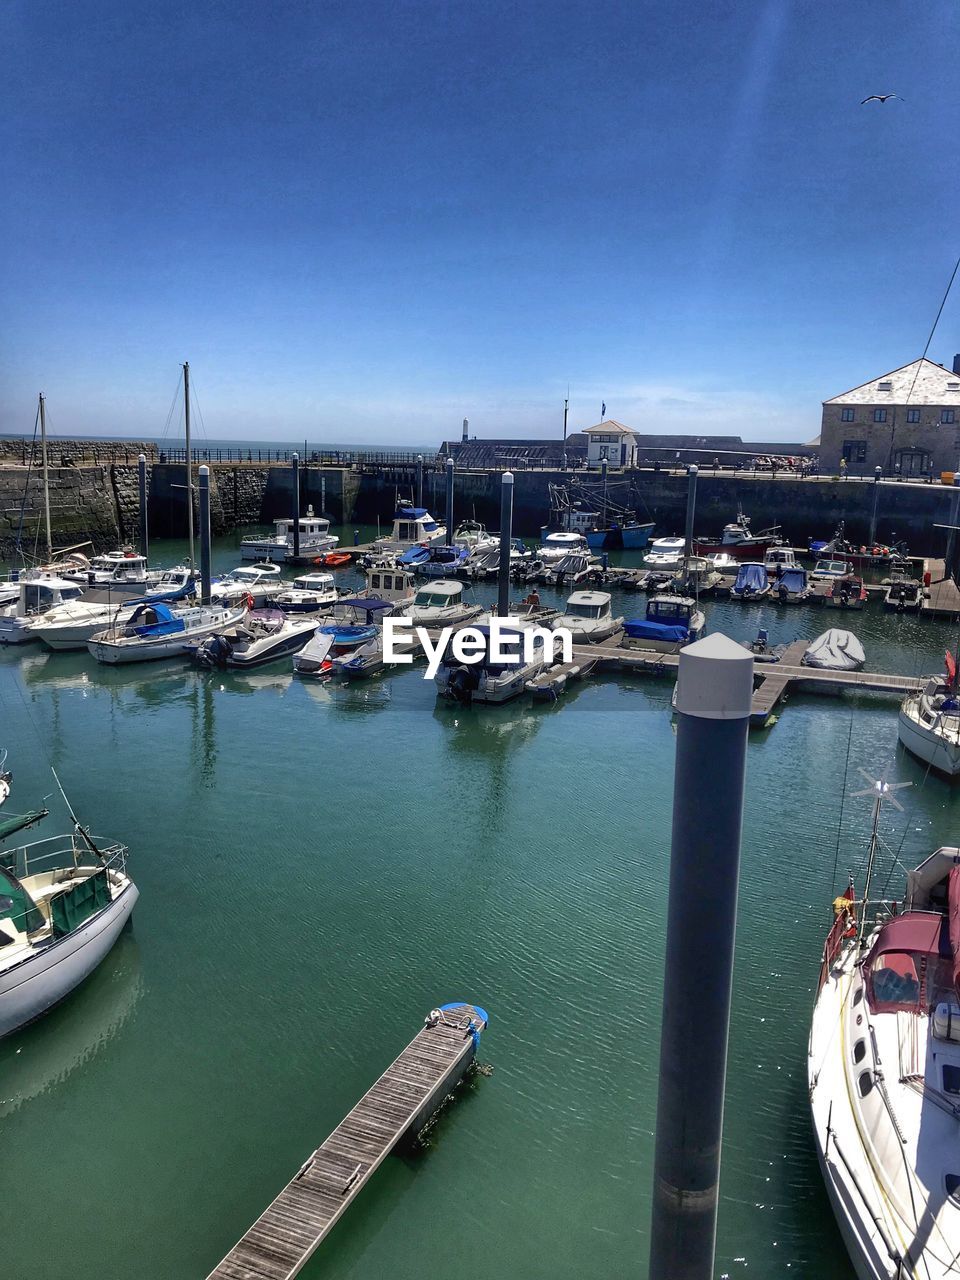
(793, 579)
(415, 555)
(641, 629)
(155, 620)
(344, 634)
(410, 513)
(752, 577)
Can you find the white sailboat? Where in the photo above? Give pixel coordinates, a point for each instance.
(158, 631)
(929, 722)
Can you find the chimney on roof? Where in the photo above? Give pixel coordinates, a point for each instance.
(466, 424)
(956, 363)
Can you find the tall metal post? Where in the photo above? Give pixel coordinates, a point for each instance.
(878, 472)
(692, 472)
(186, 428)
(204, 474)
(603, 476)
(46, 473)
(142, 485)
(566, 410)
(506, 537)
(419, 479)
(714, 692)
(449, 502)
(949, 567)
(296, 506)
(323, 492)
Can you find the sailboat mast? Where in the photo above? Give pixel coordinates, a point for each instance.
(46, 473)
(870, 859)
(186, 423)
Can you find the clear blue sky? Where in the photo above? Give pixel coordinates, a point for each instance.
(363, 221)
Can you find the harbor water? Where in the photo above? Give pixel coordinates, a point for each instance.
(320, 864)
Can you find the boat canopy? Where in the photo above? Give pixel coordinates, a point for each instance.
(415, 555)
(411, 513)
(69, 910)
(155, 619)
(647, 629)
(370, 604)
(17, 906)
(751, 577)
(903, 964)
(793, 579)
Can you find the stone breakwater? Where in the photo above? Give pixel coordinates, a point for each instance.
(100, 502)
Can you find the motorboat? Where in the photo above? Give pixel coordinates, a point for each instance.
(63, 903)
(835, 650)
(339, 638)
(71, 625)
(261, 636)
(588, 617)
(255, 584)
(389, 582)
(929, 722)
(752, 582)
(724, 563)
(310, 593)
(665, 554)
(489, 679)
(554, 546)
(440, 604)
(571, 568)
(37, 594)
(122, 572)
(738, 540)
(827, 571)
(847, 592)
(484, 561)
(697, 577)
(671, 622)
(791, 587)
(472, 535)
(762, 649)
(903, 593)
(367, 658)
(314, 534)
(412, 526)
(160, 631)
(883, 1070)
(779, 558)
(436, 561)
(627, 535)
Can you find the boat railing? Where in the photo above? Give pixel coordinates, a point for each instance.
(62, 851)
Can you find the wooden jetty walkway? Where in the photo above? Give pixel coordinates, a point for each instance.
(286, 1234)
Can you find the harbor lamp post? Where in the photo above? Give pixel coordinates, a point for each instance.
(506, 537)
(714, 691)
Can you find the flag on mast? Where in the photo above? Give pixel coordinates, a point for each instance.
(603, 410)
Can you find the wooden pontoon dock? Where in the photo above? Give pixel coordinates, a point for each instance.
(286, 1234)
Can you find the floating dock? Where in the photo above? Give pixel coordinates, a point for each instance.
(286, 1234)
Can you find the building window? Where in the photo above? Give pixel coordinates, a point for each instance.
(879, 415)
(855, 451)
(846, 415)
(885, 386)
(913, 415)
(947, 417)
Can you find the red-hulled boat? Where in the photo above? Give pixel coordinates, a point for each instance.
(738, 541)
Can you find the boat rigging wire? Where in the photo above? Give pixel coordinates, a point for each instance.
(26, 486)
(843, 794)
(943, 303)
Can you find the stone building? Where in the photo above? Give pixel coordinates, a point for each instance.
(612, 442)
(906, 421)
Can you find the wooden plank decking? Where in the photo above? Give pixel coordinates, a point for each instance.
(399, 1103)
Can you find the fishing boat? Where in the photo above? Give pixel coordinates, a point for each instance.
(37, 593)
(441, 604)
(629, 535)
(489, 679)
(791, 587)
(835, 650)
(665, 554)
(588, 617)
(875, 553)
(738, 540)
(389, 582)
(160, 631)
(883, 1068)
(752, 583)
(847, 592)
(310, 593)
(63, 903)
(902, 594)
(929, 722)
(255, 582)
(314, 534)
(827, 571)
(671, 622)
(261, 636)
(412, 526)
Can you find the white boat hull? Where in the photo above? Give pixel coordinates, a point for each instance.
(43, 979)
(926, 745)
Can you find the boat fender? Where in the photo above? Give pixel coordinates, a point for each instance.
(248, 600)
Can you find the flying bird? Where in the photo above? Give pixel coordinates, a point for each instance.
(879, 97)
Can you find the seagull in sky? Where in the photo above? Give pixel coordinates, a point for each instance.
(879, 97)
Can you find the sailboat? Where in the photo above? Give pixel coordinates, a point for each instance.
(63, 903)
(884, 1068)
(929, 721)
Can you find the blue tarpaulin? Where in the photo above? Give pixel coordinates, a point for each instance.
(750, 579)
(641, 629)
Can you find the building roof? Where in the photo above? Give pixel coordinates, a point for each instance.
(920, 382)
(610, 427)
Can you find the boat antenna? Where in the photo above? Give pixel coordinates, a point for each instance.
(81, 831)
(880, 790)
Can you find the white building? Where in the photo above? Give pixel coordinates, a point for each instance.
(612, 441)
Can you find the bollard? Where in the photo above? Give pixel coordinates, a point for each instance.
(714, 693)
(603, 507)
(692, 472)
(204, 535)
(356, 537)
(142, 481)
(449, 502)
(419, 479)
(506, 535)
(296, 506)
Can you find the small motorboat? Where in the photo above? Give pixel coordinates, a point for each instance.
(365, 660)
(847, 592)
(441, 604)
(310, 593)
(835, 650)
(412, 526)
(903, 593)
(697, 577)
(778, 558)
(762, 649)
(665, 554)
(554, 546)
(827, 571)
(333, 559)
(329, 642)
(725, 563)
(672, 622)
(791, 586)
(588, 617)
(752, 582)
(442, 562)
(490, 679)
(254, 582)
(264, 635)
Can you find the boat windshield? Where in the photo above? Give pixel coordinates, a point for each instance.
(585, 610)
(669, 610)
(435, 599)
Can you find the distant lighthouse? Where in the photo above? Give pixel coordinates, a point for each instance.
(466, 425)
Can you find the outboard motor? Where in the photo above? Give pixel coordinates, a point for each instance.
(213, 652)
(463, 683)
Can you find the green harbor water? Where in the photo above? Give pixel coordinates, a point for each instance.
(320, 864)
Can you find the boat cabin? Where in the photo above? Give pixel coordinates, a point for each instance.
(414, 524)
(779, 558)
(439, 595)
(826, 569)
(310, 526)
(389, 583)
(588, 604)
(313, 582)
(671, 610)
(37, 595)
(253, 574)
(564, 542)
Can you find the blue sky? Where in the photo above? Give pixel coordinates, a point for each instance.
(362, 222)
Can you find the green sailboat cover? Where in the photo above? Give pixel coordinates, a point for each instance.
(17, 821)
(70, 910)
(17, 905)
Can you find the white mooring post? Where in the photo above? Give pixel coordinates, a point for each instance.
(204, 535)
(506, 537)
(449, 502)
(714, 692)
(142, 486)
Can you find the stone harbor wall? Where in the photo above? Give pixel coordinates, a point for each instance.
(62, 452)
(82, 508)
